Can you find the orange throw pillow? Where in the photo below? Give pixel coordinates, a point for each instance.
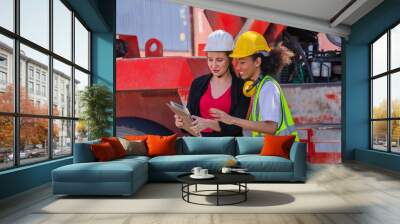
(116, 145)
(275, 145)
(161, 145)
(135, 137)
(103, 152)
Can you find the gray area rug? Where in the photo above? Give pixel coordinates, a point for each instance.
(166, 198)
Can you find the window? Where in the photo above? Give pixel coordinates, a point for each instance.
(30, 87)
(38, 89)
(3, 61)
(6, 73)
(43, 77)
(3, 72)
(53, 125)
(62, 137)
(3, 78)
(7, 14)
(37, 74)
(62, 29)
(33, 149)
(81, 81)
(44, 91)
(81, 45)
(35, 22)
(7, 142)
(30, 72)
(395, 47)
(62, 74)
(385, 96)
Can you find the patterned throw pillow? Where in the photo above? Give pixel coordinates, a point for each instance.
(134, 147)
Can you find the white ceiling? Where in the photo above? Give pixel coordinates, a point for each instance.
(315, 15)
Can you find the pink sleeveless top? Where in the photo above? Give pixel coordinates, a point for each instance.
(207, 102)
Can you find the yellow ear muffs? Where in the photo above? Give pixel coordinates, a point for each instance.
(249, 88)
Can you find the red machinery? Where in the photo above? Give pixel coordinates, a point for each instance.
(145, 85)
(319, 157)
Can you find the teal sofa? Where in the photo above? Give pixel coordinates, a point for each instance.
(125, 176)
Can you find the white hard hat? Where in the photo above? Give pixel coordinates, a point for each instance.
(219, 40)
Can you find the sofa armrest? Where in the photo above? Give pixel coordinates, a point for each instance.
(298, 154)
(83, 152)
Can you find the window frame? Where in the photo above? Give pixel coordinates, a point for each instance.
(16, 114)
(388, 74)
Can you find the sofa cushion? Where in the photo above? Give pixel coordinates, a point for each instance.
(185, 163)
(116, 145)
(206, 145)
(93, 172)
(103, 152)
(83, 152)
(257, 163)
(161, 145)
(130, 158)
(276, 145)
(136, 137)
(134, 147)
(249, 145)
(112, 171)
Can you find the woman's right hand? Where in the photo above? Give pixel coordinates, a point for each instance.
(178, 121)
(221, 116)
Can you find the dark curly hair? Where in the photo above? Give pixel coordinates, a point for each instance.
(273, 63)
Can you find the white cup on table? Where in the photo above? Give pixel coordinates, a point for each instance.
(196, 170)
(226, 170)
(203, 172)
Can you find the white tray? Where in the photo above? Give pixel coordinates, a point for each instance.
(208, 176)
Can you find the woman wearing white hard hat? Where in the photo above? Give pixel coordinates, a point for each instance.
(220, 89)
(269, 112)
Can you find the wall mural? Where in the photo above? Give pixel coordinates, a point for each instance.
(158, 60)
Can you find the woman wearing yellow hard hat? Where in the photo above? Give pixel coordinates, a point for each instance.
(260, 65)
(220, 89)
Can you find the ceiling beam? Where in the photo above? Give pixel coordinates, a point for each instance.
(346, 12)
(270, 15)
(89, 11)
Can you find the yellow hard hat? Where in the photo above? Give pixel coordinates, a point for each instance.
(248, 44)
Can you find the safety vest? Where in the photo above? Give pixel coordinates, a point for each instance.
(286, 125)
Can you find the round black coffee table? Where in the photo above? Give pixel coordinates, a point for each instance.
(238, 179)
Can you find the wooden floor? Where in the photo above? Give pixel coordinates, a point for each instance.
(377, 188)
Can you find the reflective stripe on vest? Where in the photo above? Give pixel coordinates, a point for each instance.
(286, 125)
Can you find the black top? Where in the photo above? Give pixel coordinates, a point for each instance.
(220, 178)
(239, 104)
